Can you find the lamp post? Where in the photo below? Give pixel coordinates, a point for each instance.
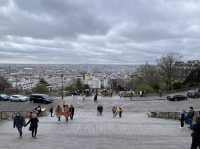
(16, 83)
(62, 93)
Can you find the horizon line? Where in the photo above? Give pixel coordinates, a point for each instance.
(65, 64)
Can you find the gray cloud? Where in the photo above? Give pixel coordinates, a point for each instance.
(88, 31)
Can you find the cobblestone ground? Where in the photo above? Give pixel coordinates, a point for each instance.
(89, 131)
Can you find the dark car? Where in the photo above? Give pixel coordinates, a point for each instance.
(176, 98)
(41, 98)
(4, 97)
(193, 94)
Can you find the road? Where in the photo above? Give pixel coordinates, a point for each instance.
(139, 104)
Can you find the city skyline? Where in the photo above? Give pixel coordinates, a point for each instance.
(97, 32)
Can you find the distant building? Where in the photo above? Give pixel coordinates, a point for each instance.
(23, 84)
(97, 81)
(183, 69)
(193, 62)
(94, 83)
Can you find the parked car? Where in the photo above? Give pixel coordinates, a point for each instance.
(18, 98)
(193, 94)
(176, 98)
(41, 98)
(4, 97)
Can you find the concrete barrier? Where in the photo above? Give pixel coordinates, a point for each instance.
(9, 115)
(169, 115)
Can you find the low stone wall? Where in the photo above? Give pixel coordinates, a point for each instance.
(169, 115)
(6, 115)
(165, 115)
(9, 115)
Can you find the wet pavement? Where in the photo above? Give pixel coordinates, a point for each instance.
(89, 131)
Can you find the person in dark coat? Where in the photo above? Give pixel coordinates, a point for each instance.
(182, 118)
(196, 135)
(71, 111)
(51, 111)
(190, 116)
(19, 123)
(33, 124)
(114, 111)
(120, 110)
(99, 110)
(95, 97)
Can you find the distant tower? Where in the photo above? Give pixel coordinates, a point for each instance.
(9, 69)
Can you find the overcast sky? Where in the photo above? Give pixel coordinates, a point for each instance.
(98, 31)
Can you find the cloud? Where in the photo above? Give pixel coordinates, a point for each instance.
(87, 31)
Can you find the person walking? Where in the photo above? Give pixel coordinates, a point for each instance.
(95, 97)
(120, 111)
(51, 111)
(66, 111)
(83, 98)
(38, 110)
(196, 135)
(182, 118)
(114, 111)
(190, 116)
(99, 110)
(19, 123)
(33, 124)
(58, 112)
(71, 111)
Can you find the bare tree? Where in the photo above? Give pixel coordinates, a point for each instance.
(168, 68)
(149, 74)
(3, 84)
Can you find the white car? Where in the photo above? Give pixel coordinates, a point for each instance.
(18, 98)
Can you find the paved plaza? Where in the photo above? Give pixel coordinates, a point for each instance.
(89, 131)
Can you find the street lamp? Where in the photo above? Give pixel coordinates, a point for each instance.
(62, 93)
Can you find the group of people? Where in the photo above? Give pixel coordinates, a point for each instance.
(196, 134)
(187, 117)
(194, 125)
(66, 111)
(117, 110)
(19, 122)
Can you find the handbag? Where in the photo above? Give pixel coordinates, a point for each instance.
(30, 128)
